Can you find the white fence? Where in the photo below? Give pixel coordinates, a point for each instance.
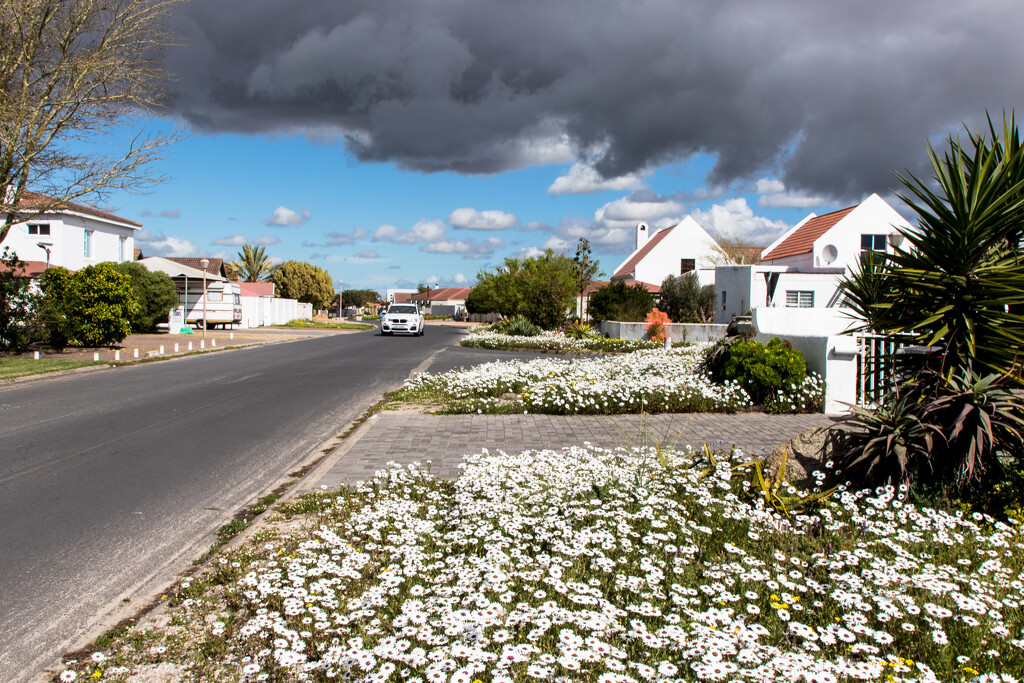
(260, 311)
(876, 366)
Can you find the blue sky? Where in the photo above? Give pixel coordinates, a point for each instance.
(396, 142)
(374, 226)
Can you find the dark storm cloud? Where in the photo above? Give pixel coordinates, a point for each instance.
(829, 96)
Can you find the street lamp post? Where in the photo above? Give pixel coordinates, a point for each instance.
(341, 305)
(45, 246)
(205, 263)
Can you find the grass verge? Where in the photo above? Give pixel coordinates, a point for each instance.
(23, 367)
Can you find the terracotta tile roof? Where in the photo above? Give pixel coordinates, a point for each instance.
(653, 289)
(801, 241)
(256, 288)
(442, 294)
(629, 267)
(31, 200)
(31, 269)
(402, 297)
(216, 265)
(598, 284)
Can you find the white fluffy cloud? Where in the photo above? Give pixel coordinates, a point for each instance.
(735, 218)
(340, 239)
(166, 245)
(584, 179)
(231, 241)
(471, 219)
(774, 195)
(467, 248)
(424, 231)
(456, 280)
(266, 241)
(285, 216)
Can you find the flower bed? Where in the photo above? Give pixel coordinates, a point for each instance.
(553, 342)
(643, 381)
(608, 566)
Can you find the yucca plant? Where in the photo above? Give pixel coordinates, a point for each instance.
(519, 326)
(959, 282)
(954, 432)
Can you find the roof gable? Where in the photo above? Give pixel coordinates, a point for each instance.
(215, 266)
(629, 267)
(803, 238)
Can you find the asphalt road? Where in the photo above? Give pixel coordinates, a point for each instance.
(112, 482)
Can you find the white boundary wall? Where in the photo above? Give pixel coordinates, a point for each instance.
(675, 331)
(260, 311)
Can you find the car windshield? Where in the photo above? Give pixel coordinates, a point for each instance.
(402, 309)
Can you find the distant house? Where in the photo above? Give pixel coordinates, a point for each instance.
(73, 236)
(216, 266)
(442, 301)
(803, 268)
(399, 296)
(680, 249)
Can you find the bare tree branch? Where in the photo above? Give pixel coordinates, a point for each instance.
(71, 72)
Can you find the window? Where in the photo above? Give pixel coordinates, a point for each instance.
(799, 299)
(687, 265)
(39, 228)
(87, 244)
(872, 242)
(120, 247)
(215, 296)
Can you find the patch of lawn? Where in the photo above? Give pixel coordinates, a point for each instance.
(22, 367)
(333, 326)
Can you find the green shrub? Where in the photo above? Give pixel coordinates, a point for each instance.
(518, 326)
(763, 369)
(579, 330)
(92, 307)
(951, 434)
(17, 303)
(621, 302)
(155, 293)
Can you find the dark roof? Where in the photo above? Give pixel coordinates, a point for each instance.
(216, 264)
(33, 200)
(629, 267)
(802, 241)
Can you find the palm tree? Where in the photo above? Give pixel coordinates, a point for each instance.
(253, 264)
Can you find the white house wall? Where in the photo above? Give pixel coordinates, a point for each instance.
(873, 216)
(741, 285)
(67, 236)
(687, 240)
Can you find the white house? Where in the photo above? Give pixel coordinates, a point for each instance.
(803, 268)
(677, 250)
(74, 236)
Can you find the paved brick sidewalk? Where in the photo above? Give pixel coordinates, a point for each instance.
(444, 439)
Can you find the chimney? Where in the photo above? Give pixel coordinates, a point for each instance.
(642, 234)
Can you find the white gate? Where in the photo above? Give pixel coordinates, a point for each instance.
(876, 366)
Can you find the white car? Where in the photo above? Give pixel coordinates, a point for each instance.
(402, 318)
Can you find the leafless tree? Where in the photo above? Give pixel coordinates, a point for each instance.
(733, 250)
(74, 75)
